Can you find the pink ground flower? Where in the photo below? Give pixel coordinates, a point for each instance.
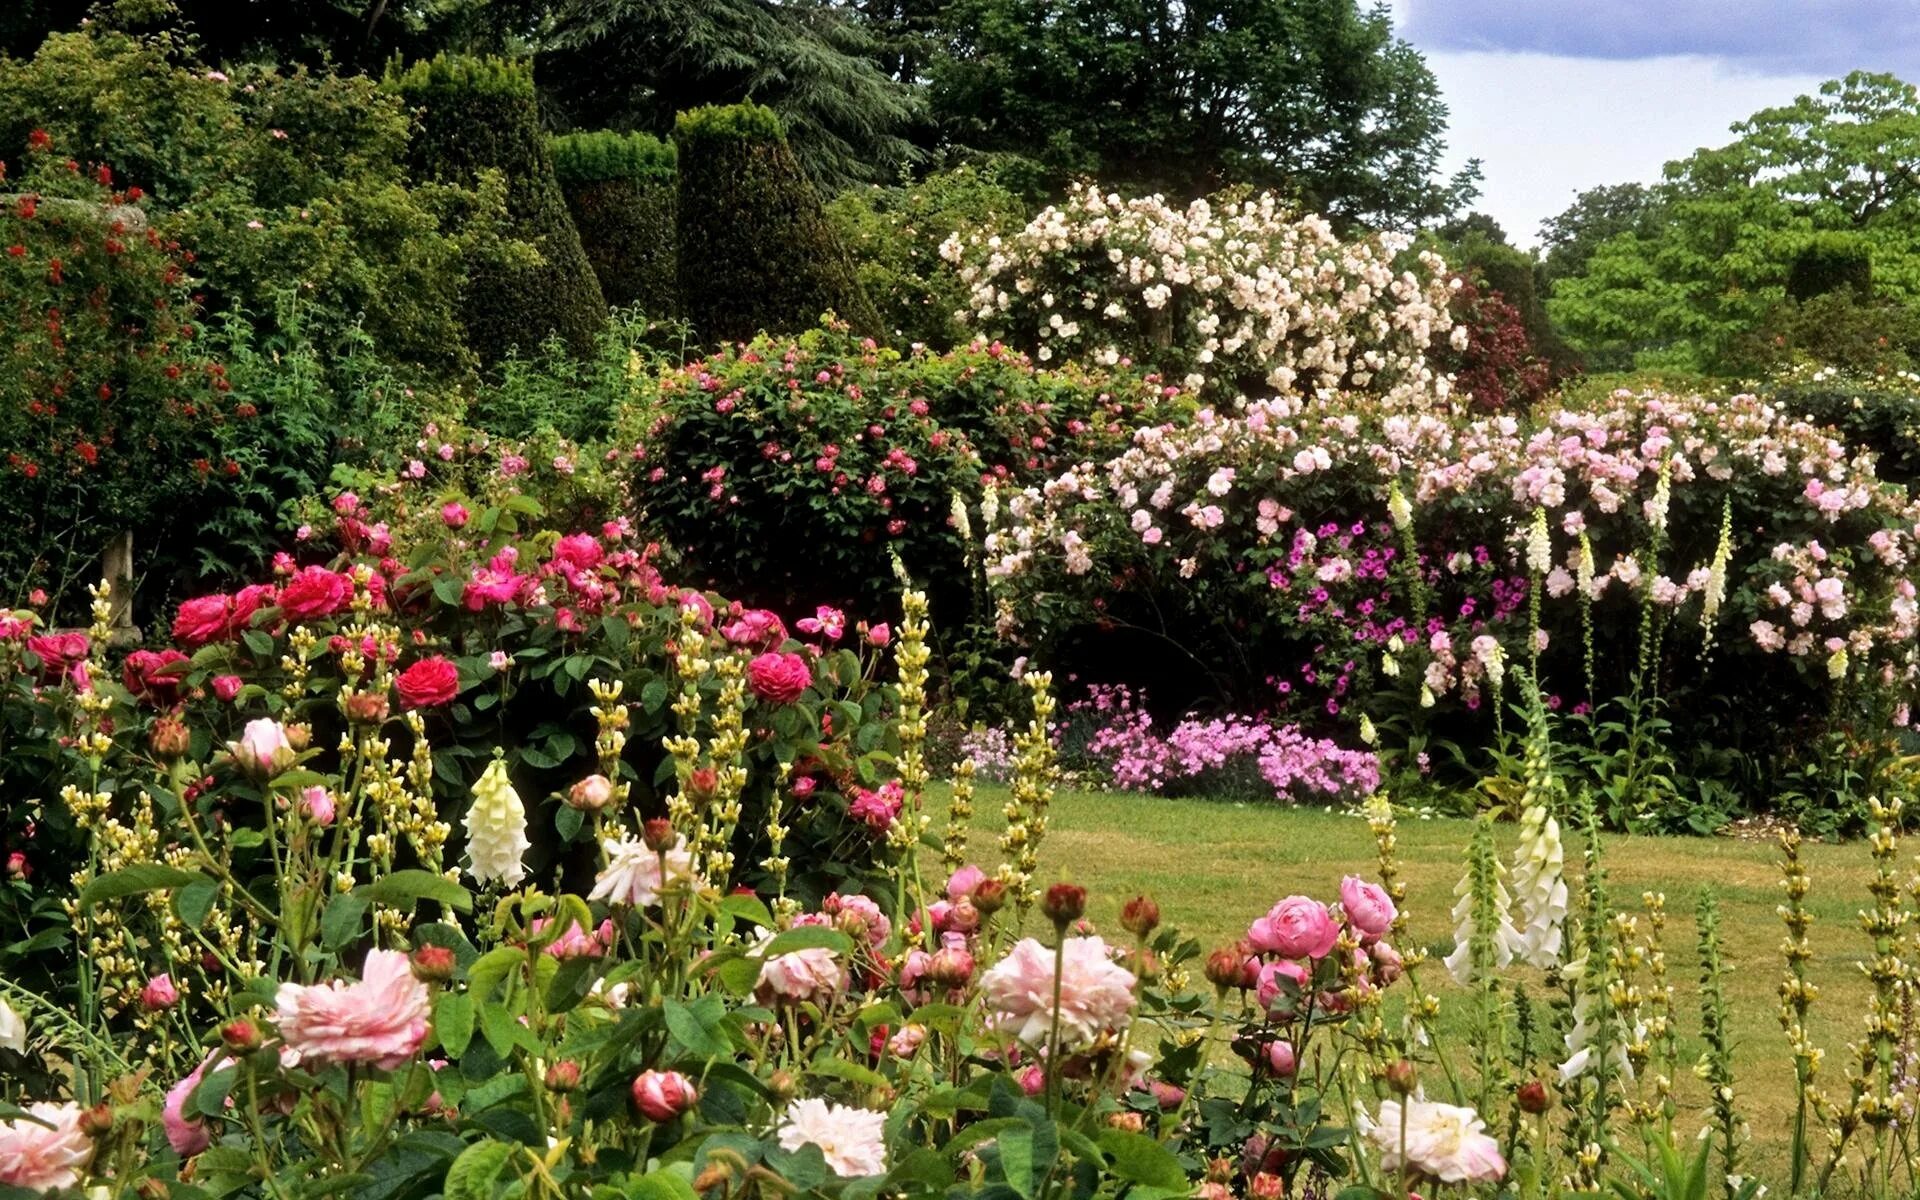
(381, 1020)
(1096, 993)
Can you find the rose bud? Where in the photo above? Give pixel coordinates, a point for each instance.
(952, 967)
(1533, 1097)
(170, 738)
(97, 1121)
(702, 783)
(591, 794)
(1140, 916)
(1281, 1060)
(1131, 1122)
(659, 835)
(1402, 1077)
(563, 1076)
(17, 865)
(299, 736)
(989, 896)
(1223, 967)
(663, 1095)
(159, 993)
(962, 916)
(1063, 904)
(367, 708)
(432, 964)
(240, 1037)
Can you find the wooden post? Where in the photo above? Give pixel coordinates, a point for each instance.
(116, 567)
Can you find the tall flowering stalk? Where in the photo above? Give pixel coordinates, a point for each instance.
(1662, 1034)
(1716, 1064)
(1033, 781)
(1484, 937)
(1539, 861)
(1583, 580)
(1797, 994)
(953, 854)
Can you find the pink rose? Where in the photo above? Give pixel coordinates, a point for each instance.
(877, 809)
(962, 882)
(779, 678)
(757, 629)
(247, 601)
(1297, 927)
(188, 1135)
(263, 747)
(1280, 1059)
(1268, 988)
(1367, 906)
(580, 549)
(809, 974)
(454, 514)
(47, 1153)
(429, 683)
(663, 1095)
(317, 803)
(315, 592)
(880, 635)
(159, 993)
(381, 1020)
(60, 654)
(226, 687)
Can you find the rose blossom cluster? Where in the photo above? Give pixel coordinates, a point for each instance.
(1249, 291)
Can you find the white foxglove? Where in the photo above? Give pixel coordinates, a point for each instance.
(13, 1029)
(496, 829)
(1540, 887)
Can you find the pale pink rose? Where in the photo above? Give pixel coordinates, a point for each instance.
(858, 916)
(852, 1140)
(961, 883)
(188, 1135)
(1297, 927)
(1441, 1141)
(1096, 993)
(263, 747)
(317, 803)
(45, 1154)
(1367, 906)
(381, 1020)
(905, 1043)
(634, 873)
(809, 974)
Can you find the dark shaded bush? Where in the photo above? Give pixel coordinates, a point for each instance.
(1831, 262)
(756, 249)
(477, 116)
(621, 188)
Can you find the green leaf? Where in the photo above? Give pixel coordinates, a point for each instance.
(340, 922)
(473, 1174)
(133, 881)
(1017, 1158)
(400, 889)
(1141, 1159)
(195, 900)
(660, 1185)
(453, 1021)
(492, 967)
(806, 937)
(697, 1027)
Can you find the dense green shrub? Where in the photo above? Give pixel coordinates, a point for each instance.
(1831, 262)
(279, 180)
(795, 469)
(894, 235)
(756, 250)
(1837, 329)
(1879, 412)
(621, 189)
(477, 116)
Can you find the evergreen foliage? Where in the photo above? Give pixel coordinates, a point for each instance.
(477, 116)
(620, 188)
(756, 249)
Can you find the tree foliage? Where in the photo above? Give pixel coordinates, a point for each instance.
(1731, 223)
(1316, 100)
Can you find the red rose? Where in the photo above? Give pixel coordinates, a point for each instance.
(202, 619)
(154, 675)
(779, 678)
(247, 601)
(315, 592)
(428, 683)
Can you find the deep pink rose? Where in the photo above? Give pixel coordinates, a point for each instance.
(202, 619)
(1297, 927)
(315, 592)
(154, 674)
(247, 601)
(1367, 906)
(60, 654)
(779, 678)
(428, 683)
(226, 687)
(581, 549)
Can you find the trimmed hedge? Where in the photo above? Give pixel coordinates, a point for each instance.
(756, 249)
(478, 115)
(621, 189)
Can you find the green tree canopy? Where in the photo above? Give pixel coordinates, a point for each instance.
(1308, 97)
(1729, 225)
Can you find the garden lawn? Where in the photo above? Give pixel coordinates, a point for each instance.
(1215, 865)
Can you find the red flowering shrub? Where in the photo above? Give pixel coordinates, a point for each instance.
(1497, 369)
(109, 410)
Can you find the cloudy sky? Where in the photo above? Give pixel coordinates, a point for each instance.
(1555, 96)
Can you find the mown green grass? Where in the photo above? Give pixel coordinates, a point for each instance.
(1215, 865)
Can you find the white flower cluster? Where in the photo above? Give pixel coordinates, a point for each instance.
(1236, 297)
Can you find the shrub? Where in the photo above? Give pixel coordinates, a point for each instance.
(1243, 298)
(1877, 410)
(280, 180)
(894, 235)
(621, 190)
(793, 470)
(477, 116)
(757, 252)
(1497, 368)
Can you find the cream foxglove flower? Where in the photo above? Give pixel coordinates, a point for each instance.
(496, 829)
(1539, 544)
(1540, 886)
